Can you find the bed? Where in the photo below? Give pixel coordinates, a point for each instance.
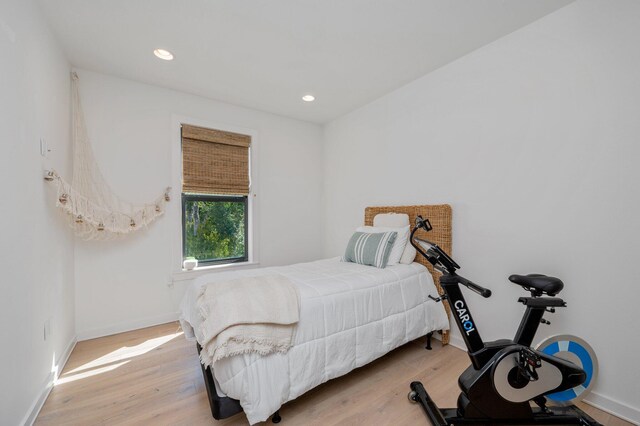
(350, 315)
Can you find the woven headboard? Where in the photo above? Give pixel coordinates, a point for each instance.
(440, 218)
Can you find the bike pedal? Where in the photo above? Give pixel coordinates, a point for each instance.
(528, 362)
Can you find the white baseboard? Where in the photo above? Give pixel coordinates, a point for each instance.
(604, 403)
(614, 407)
(456, 341)
(127, 326)
(47, 386)
(37, 405)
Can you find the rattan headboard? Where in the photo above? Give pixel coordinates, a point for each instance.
(440, 218)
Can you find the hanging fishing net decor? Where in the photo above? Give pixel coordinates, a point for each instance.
(95, 211)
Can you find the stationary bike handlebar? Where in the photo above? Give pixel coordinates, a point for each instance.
(441, 260)
(484, 292)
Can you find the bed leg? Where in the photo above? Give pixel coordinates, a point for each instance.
(276, 417)
(429, 335)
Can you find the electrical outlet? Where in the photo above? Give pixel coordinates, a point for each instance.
(44, 151)
(47, 329)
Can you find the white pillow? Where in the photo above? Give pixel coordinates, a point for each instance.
(392, 220)
(397, 220)
(409, 254)
(398, 245)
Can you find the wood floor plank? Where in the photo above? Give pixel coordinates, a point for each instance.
(152, 376)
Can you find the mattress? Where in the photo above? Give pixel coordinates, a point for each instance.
(350, 315)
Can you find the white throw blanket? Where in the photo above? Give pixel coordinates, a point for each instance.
(250, 314)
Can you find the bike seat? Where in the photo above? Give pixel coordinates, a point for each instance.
(538, 283)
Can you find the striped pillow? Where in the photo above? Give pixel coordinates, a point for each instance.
(370, 249)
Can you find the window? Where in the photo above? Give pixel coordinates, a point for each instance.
(214, 228)
(215, 189)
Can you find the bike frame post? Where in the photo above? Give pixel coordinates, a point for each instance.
(462, 316)
(528, 326)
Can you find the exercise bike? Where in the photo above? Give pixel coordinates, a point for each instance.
(505, 376)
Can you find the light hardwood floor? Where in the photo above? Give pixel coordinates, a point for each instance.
(152, 376)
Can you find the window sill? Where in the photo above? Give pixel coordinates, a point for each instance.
(185, 275)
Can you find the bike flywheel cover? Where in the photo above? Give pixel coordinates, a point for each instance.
(575, 350)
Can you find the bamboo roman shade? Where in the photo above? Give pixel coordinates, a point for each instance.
(214, 161)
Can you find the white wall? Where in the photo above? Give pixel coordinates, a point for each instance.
(123, 284)
(533, 140)
(36, 246)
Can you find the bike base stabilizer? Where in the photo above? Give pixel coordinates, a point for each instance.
(570, 415)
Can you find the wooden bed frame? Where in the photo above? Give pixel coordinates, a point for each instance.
(440, 218)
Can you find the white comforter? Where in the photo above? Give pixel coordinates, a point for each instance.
(350, 314)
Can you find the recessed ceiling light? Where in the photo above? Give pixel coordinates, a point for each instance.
(163, 54)
(308, 98)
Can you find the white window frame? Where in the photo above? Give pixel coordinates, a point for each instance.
(174, 208)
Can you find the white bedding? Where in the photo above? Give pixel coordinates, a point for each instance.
(350, 314)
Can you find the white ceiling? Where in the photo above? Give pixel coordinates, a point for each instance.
(266, 54)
